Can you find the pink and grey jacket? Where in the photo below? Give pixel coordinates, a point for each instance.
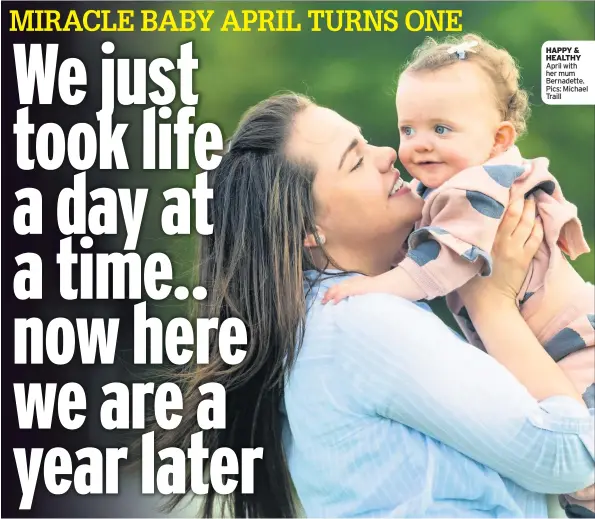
(453, 240)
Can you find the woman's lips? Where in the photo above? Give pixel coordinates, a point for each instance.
(404, 190)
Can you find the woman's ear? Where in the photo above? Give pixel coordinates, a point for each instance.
(504, 138)
(310, 239)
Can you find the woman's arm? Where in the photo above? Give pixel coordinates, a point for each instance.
(491, 302)
(405, 364)
(530, 364)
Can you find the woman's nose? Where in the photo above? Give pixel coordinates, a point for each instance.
(385, 158)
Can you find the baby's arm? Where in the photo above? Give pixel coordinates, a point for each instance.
(448, 252)
(397, 282)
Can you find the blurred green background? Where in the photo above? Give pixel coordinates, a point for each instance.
(355, 73)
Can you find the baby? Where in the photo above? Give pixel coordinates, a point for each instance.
(460, 111)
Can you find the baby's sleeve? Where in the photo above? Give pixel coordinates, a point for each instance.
(463, 220)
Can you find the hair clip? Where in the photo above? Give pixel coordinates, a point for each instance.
(462, 48)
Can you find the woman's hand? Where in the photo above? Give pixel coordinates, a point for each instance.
(518, 238)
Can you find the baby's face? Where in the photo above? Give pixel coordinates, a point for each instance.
(447, 121)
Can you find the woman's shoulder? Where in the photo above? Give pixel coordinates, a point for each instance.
(379, 317)
(376, 313)
(380, 308)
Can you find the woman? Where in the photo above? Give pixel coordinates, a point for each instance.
(372, 407)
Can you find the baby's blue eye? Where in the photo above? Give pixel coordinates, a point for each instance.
(407, 130)
(441, 130)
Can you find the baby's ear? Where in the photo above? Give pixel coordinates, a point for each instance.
(504, 138)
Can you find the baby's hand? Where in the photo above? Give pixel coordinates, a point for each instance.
(353, 286)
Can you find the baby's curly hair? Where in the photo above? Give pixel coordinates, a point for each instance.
(501, 67)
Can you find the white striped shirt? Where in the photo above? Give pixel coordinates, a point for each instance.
(389, 413)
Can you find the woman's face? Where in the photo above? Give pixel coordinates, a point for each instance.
(357, 207)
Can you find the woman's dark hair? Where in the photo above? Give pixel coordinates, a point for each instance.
(253, 269)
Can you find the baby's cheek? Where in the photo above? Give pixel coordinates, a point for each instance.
(406, 161)
(463, 159)
(404, 153)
